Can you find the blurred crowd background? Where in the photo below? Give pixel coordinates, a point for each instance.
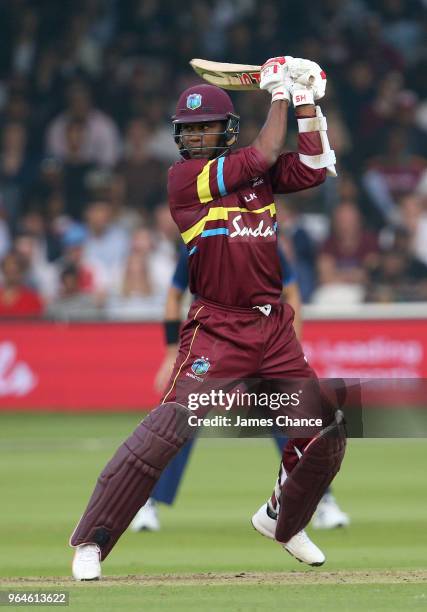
(87, 90)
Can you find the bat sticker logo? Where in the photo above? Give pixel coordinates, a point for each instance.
(249, 79)
(194, 101)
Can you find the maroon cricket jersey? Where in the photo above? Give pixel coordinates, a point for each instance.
(225, 211)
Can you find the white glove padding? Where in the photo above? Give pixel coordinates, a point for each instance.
(275, 78)
(308, 81)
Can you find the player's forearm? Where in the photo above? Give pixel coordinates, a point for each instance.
(271, 139)
(298, 324)
(306, 110)
(314, 159)
(173, 304)
(309, 142)
(313, 145)
(293, 297)
(172, 320)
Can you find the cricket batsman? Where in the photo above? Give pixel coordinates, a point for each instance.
(238, 327)
(328, 514)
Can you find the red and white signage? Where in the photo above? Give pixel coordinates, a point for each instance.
(367, 348)
(80, 366)
(111, 366)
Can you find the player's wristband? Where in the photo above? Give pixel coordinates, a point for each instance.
(172, 331)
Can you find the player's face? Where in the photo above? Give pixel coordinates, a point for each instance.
(200, 139)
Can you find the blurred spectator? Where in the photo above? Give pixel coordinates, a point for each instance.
(414, 220)
(101, 138)
(395, 173)
(394, 107)
(106, 246)
(405, 117)
(75, 169)
(17, 106)
(25, 48)
(347, 188)
(5, 238)
(145, 177)
(146, 280)
(349, 252)
(48, 183)
(73, 241)
(376, 115)
(72, 303)
(357, 91)
(46, 77)
(16, 299)
(35, 224)
(123, 215)
(402, 28)
(399, 276)
(81, 49)
(383, 55)
(138, 278)
(15, 169)
(39, 273)
(420, 115)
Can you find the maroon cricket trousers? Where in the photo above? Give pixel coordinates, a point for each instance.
(226, 344)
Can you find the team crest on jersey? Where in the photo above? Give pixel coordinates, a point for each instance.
(194, 101)
(200, 366)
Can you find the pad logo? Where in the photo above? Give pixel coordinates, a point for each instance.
(194, 101)
(201, 366)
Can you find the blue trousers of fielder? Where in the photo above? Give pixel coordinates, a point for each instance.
(167, 486)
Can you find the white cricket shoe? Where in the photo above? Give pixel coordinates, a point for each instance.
(87, 562)
(146, 518)
(329, 515)
(302, 548)
(299, 546)
(263, 523)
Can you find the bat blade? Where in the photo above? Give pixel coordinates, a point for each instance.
(239, 77)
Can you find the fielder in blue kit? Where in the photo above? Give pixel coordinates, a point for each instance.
(328, 514)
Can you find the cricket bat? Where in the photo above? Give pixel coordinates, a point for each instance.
(240, 77)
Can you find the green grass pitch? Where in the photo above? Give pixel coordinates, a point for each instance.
(207, 556)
